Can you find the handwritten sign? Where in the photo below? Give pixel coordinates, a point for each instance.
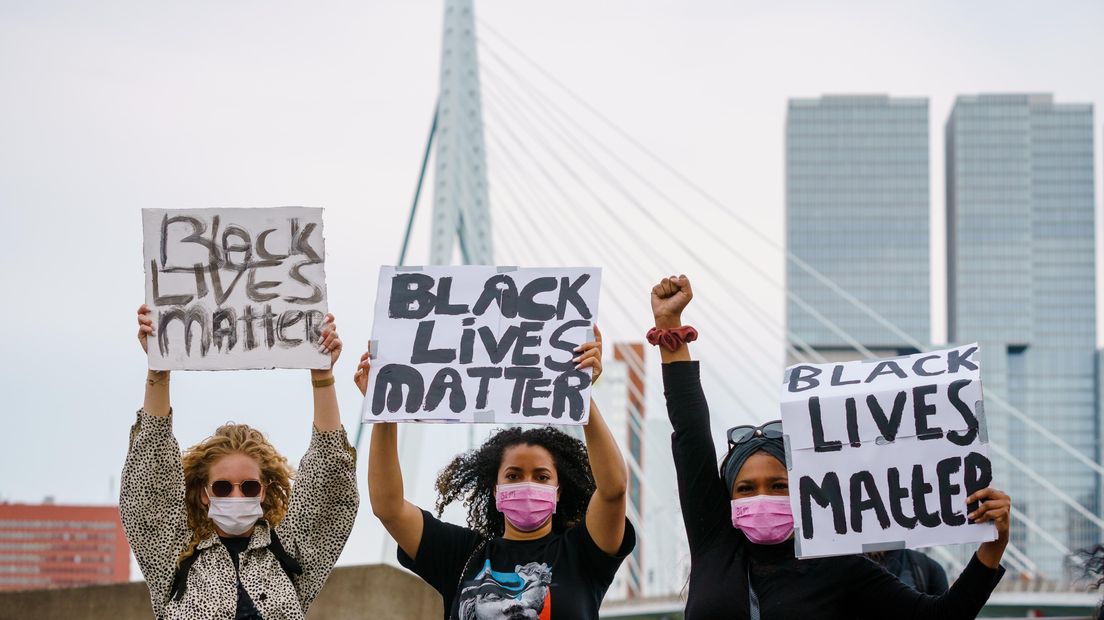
(883, 453)
(481, 344)
(235, 288)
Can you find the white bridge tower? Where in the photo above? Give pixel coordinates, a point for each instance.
(460, 210)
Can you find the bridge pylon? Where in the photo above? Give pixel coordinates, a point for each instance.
(460, 210)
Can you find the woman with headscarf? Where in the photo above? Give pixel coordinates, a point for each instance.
(221, 532)
(740, 528)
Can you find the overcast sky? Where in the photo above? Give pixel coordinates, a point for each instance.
(109, 107)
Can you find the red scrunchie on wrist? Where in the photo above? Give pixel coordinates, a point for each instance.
(673, 338)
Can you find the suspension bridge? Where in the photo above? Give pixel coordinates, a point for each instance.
(521, 169)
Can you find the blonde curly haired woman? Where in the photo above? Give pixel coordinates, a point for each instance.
(222, 530)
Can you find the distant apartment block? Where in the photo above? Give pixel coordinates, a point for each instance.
(50, 546)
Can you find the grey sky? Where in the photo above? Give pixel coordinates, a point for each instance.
(109, 107)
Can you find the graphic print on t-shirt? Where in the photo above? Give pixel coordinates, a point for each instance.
(520, 595)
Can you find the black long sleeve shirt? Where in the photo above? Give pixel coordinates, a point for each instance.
(723, 561)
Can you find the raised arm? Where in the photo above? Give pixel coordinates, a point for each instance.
(151, 496)
(324, 498)
(401, 519)
(327, 416)
(702, 495)
(157, 381)
(669, 299)
(605, 517)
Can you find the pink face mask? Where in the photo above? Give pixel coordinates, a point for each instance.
(764, 519)
(526, 505)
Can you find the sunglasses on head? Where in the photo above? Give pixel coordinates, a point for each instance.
(745, 432)
(223, 488)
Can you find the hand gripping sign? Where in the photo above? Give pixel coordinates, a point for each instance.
(883, 453)
(481, 344)
(235, 288)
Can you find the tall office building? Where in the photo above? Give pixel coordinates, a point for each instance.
(49, 546)
(858, 211)
(1021, 281)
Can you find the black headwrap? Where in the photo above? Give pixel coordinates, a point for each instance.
(742, 452)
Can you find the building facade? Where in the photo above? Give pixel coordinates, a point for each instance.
(49, 546)
(1021, 281)
(620, 395)
(857, 212)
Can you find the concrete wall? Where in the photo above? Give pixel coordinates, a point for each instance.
(380, 592)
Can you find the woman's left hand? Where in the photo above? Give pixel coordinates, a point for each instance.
(995, 507)
(590, 355)
(330, 343)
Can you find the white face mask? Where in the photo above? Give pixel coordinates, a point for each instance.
(235, 515)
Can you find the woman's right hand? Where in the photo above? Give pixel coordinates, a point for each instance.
(145, 326)
(360, 378)
(669, 299)
(157, 381)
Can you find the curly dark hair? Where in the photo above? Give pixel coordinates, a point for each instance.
(472, 476)
(1094, 570)
(1094, 564)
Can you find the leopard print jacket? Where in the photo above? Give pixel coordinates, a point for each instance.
(320, 516)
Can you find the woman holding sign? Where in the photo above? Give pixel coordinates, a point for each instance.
(221, 532)
(546, 516)
(740, 528)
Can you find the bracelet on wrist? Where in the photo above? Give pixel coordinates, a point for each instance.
(672, 338)
(321, 383)
(156, 377)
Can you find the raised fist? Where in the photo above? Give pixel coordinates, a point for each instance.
(669, 298)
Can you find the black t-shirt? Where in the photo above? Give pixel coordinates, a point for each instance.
(246, 609)
(558, 577)
(723, 561)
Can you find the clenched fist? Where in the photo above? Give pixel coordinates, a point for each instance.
(669, 298)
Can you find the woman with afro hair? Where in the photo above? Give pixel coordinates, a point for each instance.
(221, 531)
(546, 517)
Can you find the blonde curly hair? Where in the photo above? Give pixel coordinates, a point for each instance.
(276, 475)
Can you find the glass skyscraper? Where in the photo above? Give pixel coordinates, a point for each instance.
(1021, 281)
(857, 211)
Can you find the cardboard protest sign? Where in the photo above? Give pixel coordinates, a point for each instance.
(883, 453)
(235, 288)
(481, 344)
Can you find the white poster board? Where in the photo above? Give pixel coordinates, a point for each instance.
(883, 453)
(481, 344)
(235, 288)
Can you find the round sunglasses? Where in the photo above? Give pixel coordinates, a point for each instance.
(223, 488)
